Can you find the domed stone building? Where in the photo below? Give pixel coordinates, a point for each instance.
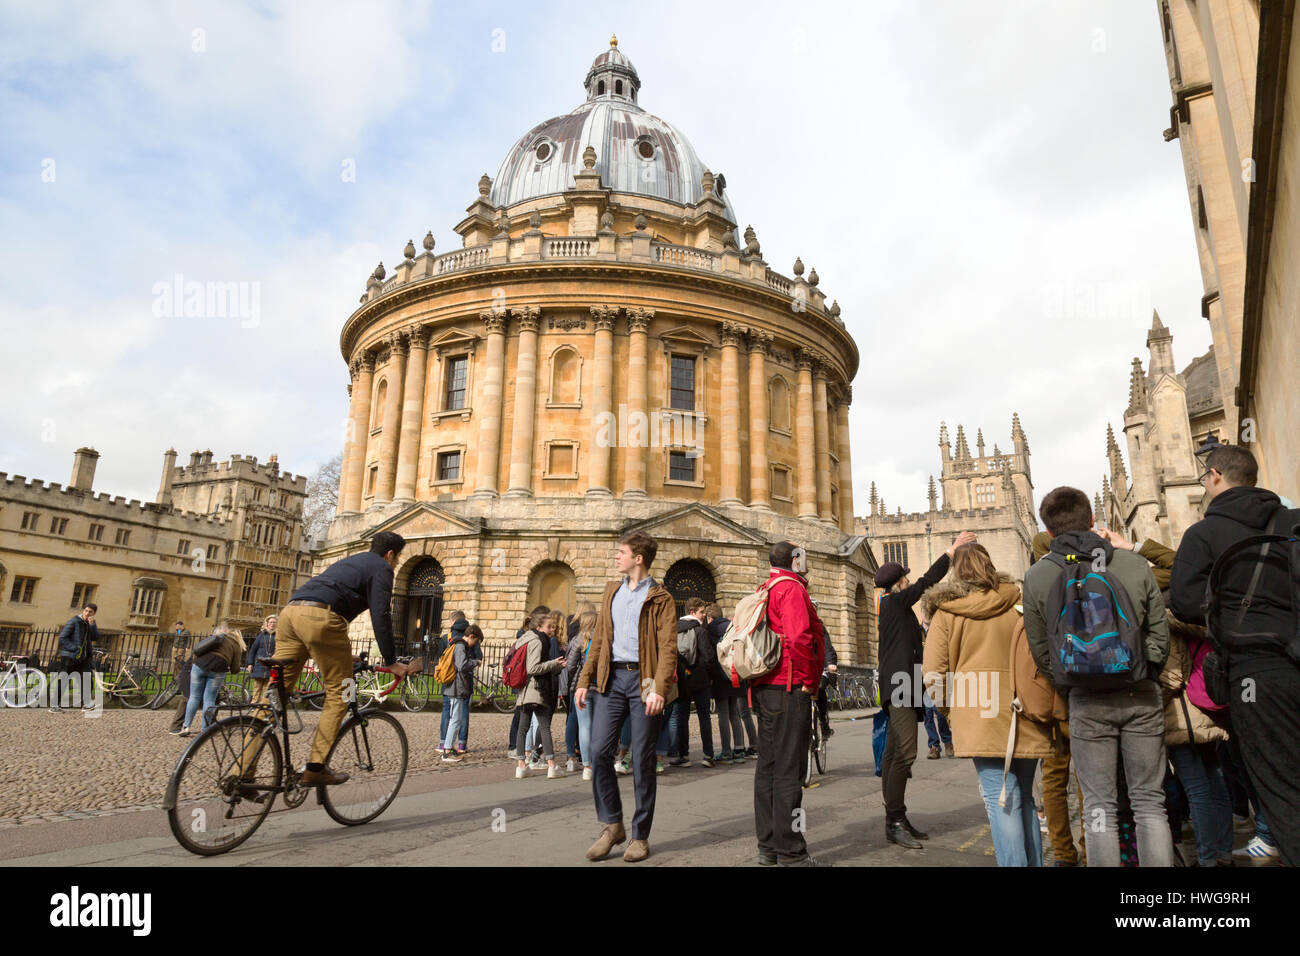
(604, 354)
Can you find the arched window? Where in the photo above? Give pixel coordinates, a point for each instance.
(688, 579)
(377, 409)
(424, 603)
(778, 415)
(864, 626)
(618, 87)
(600, 88)
(552, 583)
(566, 376)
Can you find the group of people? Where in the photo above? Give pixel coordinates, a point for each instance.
(199, 676)
(1152, 744)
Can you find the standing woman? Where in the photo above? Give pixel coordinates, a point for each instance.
(263, 646)
(538, 697)
(209, 672)
(574, 659)
(972, 618)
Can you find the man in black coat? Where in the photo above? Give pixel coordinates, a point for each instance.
(76, 641)
(901, 687)
(1263, 643)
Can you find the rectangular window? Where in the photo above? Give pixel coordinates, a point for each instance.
(82, 594)
(781, 482)
(457, 370)
(275, 590)
(58, 525)
(372, 480)
(29, 520)
(123, 537)
(449, 466)
(183, 546)
(212, 601)
(212, 552)
(682, 385)
(896, 551)
(681, 466)
(560, 460)
(96, 533)
(247, 594)
(23, 590)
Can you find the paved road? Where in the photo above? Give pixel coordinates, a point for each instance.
(703, 817)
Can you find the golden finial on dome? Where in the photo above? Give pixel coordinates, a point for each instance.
(613, 41)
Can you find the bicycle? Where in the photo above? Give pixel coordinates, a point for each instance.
(134, 687)
(225, 783)
(817, 747)
(21, 685)
(495, 693)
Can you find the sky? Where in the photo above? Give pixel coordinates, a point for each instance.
(984, 188)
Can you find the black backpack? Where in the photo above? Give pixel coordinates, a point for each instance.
(1215, 664)
(1092, 630)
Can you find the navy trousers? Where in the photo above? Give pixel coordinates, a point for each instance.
(609, 711)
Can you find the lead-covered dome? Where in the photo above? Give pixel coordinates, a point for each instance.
(636, 151)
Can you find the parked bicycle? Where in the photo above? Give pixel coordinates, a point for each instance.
(133, 685)
(226, 781)
(817, 748)
(21, 684)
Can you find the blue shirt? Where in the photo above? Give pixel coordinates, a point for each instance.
(626, 612)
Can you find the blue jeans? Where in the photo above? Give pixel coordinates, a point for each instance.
(457, 722)
(1016, 838)
(571, 730)
(1199, 772)
(584, 732)
(204, 686)
(463, 742)
(936, 726)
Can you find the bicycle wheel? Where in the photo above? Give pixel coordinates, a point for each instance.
(139, 690)
(233, 692)
(371, 749)
(818, 743)
(414, 694)
(503, 698)
(22, 687)
(209, 805)
(166, 695)
(808, 762)
(310, 684)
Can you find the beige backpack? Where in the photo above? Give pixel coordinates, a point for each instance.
(750, 648)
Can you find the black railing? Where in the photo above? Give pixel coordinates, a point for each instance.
(40, 646)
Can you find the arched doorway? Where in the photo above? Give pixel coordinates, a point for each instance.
(688, 579)
(424, 604)
(862, 626)
(551, 583)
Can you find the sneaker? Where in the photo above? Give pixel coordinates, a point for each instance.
(569, 766)
(948, 751)
(554, 773)
(440, 751)
(659, 766)
(679, 762)
(724, 756)
(449, 756)
(828, 731)
(535, 764)
(586, 773)
(185, 733)
(1042, 822)
(176, 733)
(751, 753)
(738, 757)
(707, 762)
(521, 772)
(1256, 849)
(623, 766)
(56, 709)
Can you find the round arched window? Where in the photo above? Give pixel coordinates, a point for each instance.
(646, 149)
(543, 151)
(688, 579)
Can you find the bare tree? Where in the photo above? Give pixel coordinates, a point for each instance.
(322, 498)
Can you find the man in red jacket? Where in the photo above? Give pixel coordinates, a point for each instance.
(782, 702)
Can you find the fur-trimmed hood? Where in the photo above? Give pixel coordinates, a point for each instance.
(969, 600)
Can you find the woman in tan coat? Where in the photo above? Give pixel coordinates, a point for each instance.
(967, 666)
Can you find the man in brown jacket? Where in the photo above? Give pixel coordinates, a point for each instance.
(630, 674)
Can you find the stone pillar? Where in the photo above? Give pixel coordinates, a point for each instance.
(759, 481)
(846, 462)
(349, 445)
(392, 419)
(638, 415)
(521, 443)
(408, 449)
(604, 432)
(821, 435)
(354, 465)
(731, 333)
(491, 380)
(804, 437)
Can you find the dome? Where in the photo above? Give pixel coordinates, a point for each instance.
(636, 152)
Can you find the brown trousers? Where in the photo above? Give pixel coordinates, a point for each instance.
(1056, 788)
(322, 635)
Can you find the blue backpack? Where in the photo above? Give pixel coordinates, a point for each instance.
(1092, 630)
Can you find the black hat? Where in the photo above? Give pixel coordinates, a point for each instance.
(889, 574)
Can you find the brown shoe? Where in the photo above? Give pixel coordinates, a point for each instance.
(636, 851)
(948, 751)
(321, 778)
(611, 836)
(934, 754)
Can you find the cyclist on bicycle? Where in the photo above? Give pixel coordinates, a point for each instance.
(315, 624)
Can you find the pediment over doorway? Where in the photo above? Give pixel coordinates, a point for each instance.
(699, 522)
(425, 520)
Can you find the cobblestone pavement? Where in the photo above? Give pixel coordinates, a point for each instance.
(68, 767)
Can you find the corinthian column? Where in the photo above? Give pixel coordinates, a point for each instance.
(604, 432)
(759, 488)
(521, 444)
(349, 444)
(354, 465)
(846, 464)
(731, 333)
(804, 437)
(637, 426)
(489, 429)
(821, 434)
(392, 419)
(408, 449)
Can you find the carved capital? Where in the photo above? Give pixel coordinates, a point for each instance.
(846, 395)
(397, 342)
(604, 316)
(805, 359)
(759, 340)
(419, 335)
(527, 317)
(494, 322)
(638, 320)
(365, 362)
(731, 332)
